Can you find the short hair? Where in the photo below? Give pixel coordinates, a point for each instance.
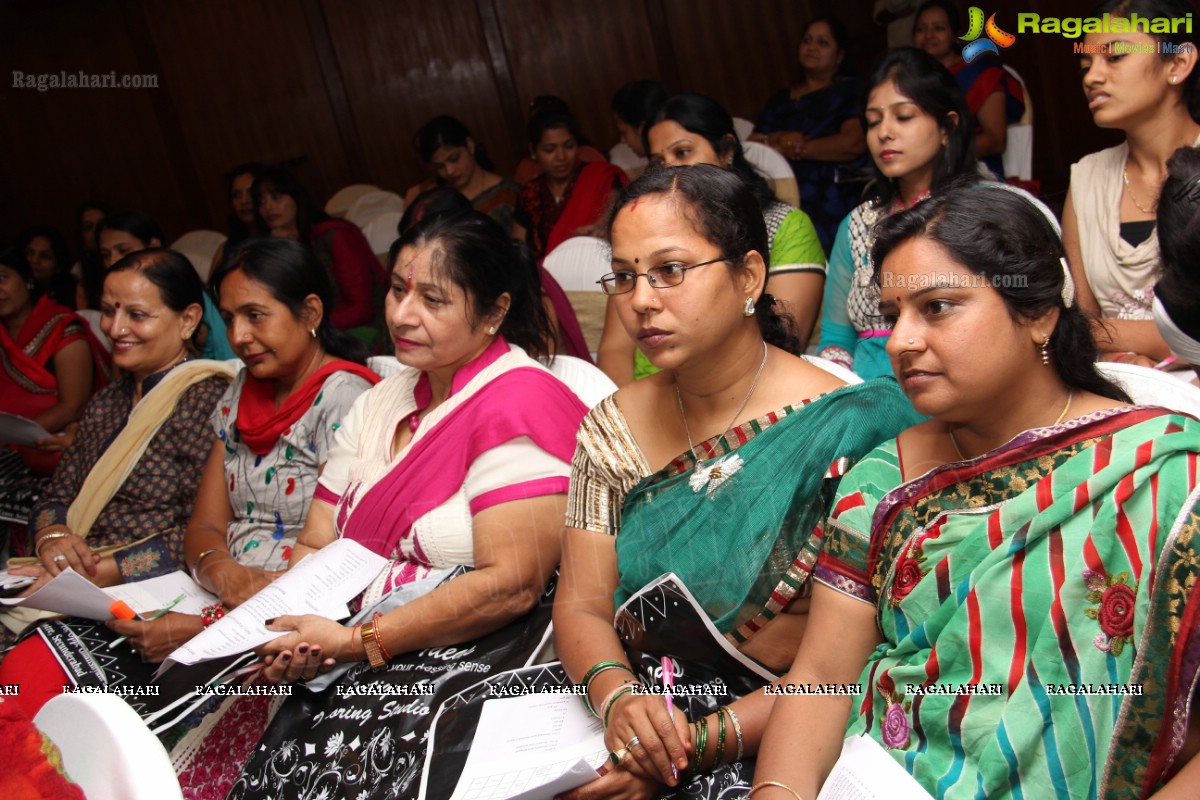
(172, 274)
(137, 224)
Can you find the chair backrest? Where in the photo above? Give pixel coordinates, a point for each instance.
(833, 368)
(92, 317)
(743, 128)
(1018, 152)
(385, 366)
(380, 231)
(775, 169)
(372, 204)
(1152, 387)
(343, 198)
(630, 162)
(576, 265)
(200, 247)
(107, 749)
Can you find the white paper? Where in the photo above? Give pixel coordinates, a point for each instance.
(68, 593)
(14, 582)
(20, 430)
(531, 747)
(321, 584)
(864, 771)
(153, 594)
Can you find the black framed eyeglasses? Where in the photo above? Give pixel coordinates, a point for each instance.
(661, 277)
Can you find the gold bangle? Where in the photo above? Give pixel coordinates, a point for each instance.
(37, 548)
(783, 786)
(371, 647)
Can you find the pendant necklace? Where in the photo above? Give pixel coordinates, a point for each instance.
(714, 474)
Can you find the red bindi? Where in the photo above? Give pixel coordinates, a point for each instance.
(116, 305)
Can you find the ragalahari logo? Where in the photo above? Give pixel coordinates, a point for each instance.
(977, 28)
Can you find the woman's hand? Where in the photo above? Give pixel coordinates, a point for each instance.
(36, 571)
(155, 639)
(56, 443)
(662, 740)
(60, 552)
(616, 784)
(236, 583)
(315, 645)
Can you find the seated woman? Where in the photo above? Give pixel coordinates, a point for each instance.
(816, 124)
(241, 210)
(455, 470)
(88, 271)
(1108, 219)
(1177, 293)
(1009, 583)
(632, 107)
(528, 167)
(569, 197)
(696, 471)
(116, 508)
(693, 129)
(994, 97)
(287, 210)
(46, 251)
(459, 161)
(124, 232)
(272, 432)
(919, 135)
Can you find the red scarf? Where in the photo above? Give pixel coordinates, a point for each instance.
(260, 424)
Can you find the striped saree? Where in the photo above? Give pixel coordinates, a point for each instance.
(1037, 604)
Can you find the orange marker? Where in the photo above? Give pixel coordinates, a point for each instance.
(121, 610)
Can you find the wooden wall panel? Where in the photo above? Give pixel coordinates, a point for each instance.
(582, 52)
(406, 62)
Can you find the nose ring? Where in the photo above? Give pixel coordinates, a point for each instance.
(910, 341)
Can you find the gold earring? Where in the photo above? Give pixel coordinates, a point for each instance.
(748, 309)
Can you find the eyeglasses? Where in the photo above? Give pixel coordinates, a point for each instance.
(661, 277)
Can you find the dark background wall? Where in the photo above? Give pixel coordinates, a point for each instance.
(342, 85)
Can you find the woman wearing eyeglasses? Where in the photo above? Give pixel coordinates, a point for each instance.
(698, 471)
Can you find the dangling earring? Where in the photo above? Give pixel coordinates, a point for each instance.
(748, 309)
(313, 331)
(1045, 350)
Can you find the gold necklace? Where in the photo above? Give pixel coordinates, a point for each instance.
(1133, 197)
(1061, 417)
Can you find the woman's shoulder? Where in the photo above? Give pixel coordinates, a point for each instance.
(1108, 159)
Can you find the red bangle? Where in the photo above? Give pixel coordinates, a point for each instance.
(210, 614)
(353, 636)
(379, 639)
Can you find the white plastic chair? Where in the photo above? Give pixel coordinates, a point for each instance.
(372, 204)
(776, 170)
(586, 380)
(385, 366)
(1018, 152)
(200, 247)
(107, 749)
(630, 162)
(92, 317)
(1152, 387)
(743, 128)
(577, 264)
(833, 368)
(380, 230)
(343, 198)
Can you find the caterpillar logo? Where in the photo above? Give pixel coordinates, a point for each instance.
(996, 37)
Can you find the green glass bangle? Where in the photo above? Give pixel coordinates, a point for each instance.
(591, 674)
(613, 702)
(701, 744)
(720, 754)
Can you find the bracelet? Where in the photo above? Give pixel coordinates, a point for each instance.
(354, 635)
(737, 731)
(371, 646)
(701, 743)
(590, 676)
(379, 639)
(783, 786)
(210, 614)
(37, 548)
(611, 696)
(196, 566)
(720, 754)
(607, 706)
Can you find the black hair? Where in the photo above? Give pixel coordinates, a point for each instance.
(89, 205)
(1178, 287)
(291, 273)
(438, 200)
(239, 231)
(636, 102)
(841, 37)
(14, 258)
(723, 210)
(921, 78)
(62, 285)
(90, 265)
(137, 224)
(952, 15)
(281, 181)
(447, 131)
(1021, 254)
(703, 116)
(476, 254)
(1149, 10)
(549, 121)
(172, 274)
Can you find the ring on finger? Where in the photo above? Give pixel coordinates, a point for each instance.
(617, 756)
(58, 558)
(632, 743)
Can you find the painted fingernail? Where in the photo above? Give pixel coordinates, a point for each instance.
(286, 656)
(302, 649)
(270, 621)
(316, 651)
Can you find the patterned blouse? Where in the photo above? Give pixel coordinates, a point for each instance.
(156, 499)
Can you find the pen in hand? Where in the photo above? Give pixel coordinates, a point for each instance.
(161, 612)
(668, 682)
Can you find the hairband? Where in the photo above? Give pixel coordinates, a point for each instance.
(1068, 290)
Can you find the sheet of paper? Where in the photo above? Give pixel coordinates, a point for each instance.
(864, 771)
(150, 595)
(531, 747)
(68, 593)
(321, 584)
(20, 430)
(14, 582)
